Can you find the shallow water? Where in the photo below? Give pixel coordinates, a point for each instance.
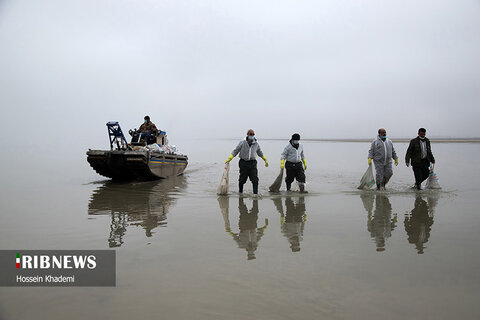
(182, 252)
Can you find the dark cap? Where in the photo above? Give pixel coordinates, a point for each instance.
(146, 118)
(295, 136)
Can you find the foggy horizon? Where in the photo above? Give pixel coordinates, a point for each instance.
(213, 69)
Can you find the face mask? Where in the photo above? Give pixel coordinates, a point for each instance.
(383, 137)
(145, 121)
(250, 137)
(295, 141)
(423, 138)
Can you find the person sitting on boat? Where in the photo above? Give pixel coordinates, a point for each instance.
(147, 130)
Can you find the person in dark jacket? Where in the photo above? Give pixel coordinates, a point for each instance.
(148, 130)
(419, 154)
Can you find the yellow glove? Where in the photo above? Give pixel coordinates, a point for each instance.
(229, 158)
(265, 159)
(369, 161)
(282, 163)
(304, 163)
(396, 161)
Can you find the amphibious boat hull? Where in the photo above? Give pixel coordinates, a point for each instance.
(136, 165)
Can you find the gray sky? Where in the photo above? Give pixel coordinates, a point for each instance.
(326, 69)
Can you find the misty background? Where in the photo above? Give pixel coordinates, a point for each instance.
(206, 70)
(213, 69)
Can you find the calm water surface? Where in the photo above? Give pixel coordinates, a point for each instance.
(184, 253)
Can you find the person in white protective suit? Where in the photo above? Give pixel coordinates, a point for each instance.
(382, 152)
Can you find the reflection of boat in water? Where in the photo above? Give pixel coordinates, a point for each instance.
(144, 204)
(135, 161)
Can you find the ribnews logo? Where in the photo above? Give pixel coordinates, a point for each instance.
(58, 268)
(59, 262)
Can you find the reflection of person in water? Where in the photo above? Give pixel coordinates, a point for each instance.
(249, 235)
(293, 222)
(380, 224)
(368, 200)
(419, 223)
(118, 228)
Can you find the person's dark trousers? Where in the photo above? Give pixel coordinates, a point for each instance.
(294, 171)
(248, 169)
(421, 172)
(144, 135)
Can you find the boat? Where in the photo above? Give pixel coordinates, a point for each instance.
(138, 160)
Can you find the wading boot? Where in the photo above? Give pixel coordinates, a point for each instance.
(255, 188)
(302, 188)
(384, 184)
